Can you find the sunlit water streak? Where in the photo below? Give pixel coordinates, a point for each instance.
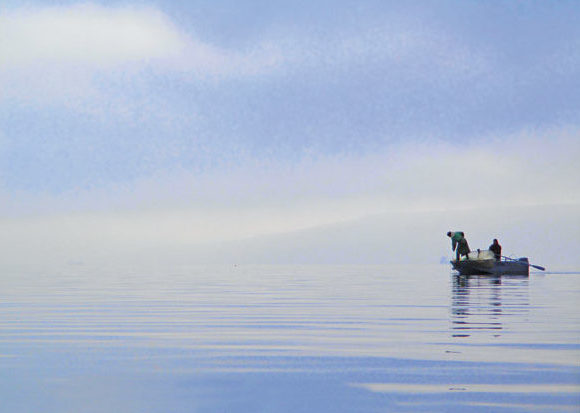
(258, 338)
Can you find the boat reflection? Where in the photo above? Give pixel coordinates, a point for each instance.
(483, 304)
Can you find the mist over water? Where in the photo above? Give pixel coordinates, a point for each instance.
(287, 338)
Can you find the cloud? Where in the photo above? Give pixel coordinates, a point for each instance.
(95, 37)
(525, 168)
(67, 51)
(83, 57)
(86, 35)
(58, 56)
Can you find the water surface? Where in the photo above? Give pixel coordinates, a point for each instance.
(287, 338)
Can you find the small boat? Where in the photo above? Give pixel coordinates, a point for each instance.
(483, 262)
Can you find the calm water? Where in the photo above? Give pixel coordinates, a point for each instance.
(287, 339)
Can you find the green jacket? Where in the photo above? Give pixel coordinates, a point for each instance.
(458, 241)
(456, 237)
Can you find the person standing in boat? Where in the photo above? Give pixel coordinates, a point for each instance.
(459, 244)
(496, 249)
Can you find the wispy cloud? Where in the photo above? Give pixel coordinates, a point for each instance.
(70, 49)
(86, 35)
(525, 168)
(56, 56)
(60, 55)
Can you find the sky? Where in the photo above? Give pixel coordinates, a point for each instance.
(140, 128)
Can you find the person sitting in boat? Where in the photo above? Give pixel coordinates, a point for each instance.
(459, 244)
(496, 249)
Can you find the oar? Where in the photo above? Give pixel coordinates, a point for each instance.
(525, 263)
